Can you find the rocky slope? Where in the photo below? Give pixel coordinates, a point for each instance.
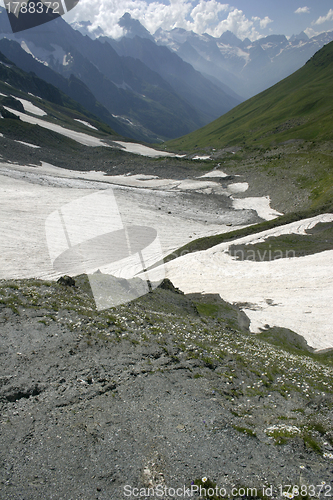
(160, 392)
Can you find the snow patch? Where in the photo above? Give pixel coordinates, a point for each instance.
(215, 173)
(142, 150)
(238, 187)
(85, 139)
(294, 293)
(28, 194)
(28, 144)
(204, 157)
(30, 108)
(260, 204)
(37, 96)
(25, 47)
(85, 123)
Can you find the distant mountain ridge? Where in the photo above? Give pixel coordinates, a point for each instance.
(155, 87)
(231, 63)
(241, 65)
(188, 83)
(248, 67)
(150, 107)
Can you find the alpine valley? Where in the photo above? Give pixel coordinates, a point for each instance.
(217, 154)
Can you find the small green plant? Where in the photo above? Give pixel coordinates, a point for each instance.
(12, 285)
(44, 321)
(208, 362)
(310, 442)
(298, 410)
(318, 427)
(208, 488)
(245, 430)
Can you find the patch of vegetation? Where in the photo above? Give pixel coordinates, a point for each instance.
(208, 309)
(311, 442)
(287, 246)
(279, 140)
(281, 434)
(211, 241)
(245, 430)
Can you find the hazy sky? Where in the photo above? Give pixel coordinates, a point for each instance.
(251, 18)
(245, 18)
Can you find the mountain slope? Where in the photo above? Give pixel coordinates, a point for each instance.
(186, 82)
(299, 107)
(191, 85)
(282, 138)
(128, 89)
(72, 86)
(35, 101)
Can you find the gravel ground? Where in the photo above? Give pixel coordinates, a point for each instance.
(157, 393)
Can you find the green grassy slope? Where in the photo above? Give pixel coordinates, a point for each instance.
(299, 107)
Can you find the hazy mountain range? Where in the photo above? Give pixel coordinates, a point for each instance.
(139, 96)
(154, 87)
(249, 67)
(246, 67)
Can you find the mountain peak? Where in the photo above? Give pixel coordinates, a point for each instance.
(133, 27)
(85, 27)
(299, 37)
(276, 39)
(230, 39)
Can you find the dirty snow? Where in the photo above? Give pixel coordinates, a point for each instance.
(238, 187)
(215, 173)
(41, 190)
(294, 293)
(260, 204)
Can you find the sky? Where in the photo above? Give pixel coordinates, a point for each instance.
(245, 18)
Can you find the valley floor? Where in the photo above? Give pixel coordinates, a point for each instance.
(294, 293)
(168, 388)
